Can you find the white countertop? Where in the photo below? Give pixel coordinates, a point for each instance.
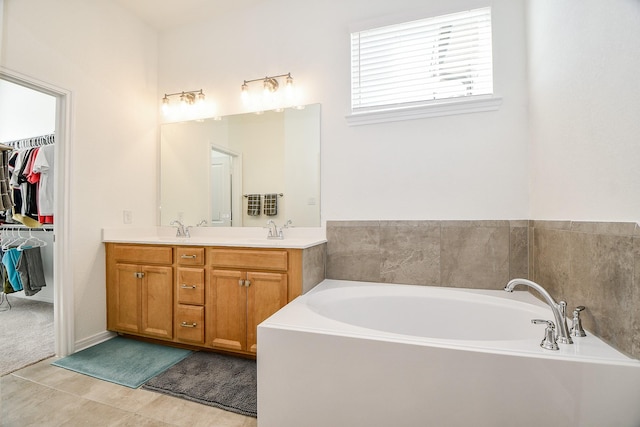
(294, 238)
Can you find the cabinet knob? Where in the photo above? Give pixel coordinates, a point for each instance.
(241, 282)
(247, 283)
(185, 286)
(188, 325)
(138, 275)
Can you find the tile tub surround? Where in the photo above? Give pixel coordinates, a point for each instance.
(466, 254)
(595, 264)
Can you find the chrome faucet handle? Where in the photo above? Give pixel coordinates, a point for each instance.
(549, 340)
(562, 305)
(576, 328)
(565, 337)
(180, 232)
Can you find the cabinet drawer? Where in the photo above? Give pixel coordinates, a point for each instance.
(143, 254)
(249, 259)
(190, 324)
(190, 286)
(190, 256)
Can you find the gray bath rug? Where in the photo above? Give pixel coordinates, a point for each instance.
(213, 379)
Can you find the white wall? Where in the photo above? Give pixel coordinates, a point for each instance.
(108, 60)
(24, 112)
(585, 100)
(471, 166)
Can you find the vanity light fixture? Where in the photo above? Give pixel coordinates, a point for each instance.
(269, 83)
(186, 98)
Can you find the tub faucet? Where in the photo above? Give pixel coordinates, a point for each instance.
(558, 309)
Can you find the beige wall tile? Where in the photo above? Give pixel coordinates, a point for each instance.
(475, 257)
(635, 300)
(602, 280)
(353, 250)
(314, 261)
(551, 263)
(519, 252)
(410, 252)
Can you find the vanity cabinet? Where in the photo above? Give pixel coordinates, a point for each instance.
(140, 291)
(211, 297)
(245, 287)
(237, 302)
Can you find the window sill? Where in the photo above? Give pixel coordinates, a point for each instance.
(440, 108)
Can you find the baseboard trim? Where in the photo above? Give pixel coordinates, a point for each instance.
(93, 340)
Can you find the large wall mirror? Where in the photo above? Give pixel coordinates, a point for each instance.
(242, 170)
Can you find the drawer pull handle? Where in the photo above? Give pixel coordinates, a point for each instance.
(188, 325)
(185, 256)
(185, 286)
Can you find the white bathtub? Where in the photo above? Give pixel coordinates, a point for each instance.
(353, 354)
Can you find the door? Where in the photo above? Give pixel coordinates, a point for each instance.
(157, 301)
(126, 299)
(226, 314)
(220, 189)
(266, 295)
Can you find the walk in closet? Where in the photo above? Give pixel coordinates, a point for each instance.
(27, 224)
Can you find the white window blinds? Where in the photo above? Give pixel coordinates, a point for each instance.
(415, 62)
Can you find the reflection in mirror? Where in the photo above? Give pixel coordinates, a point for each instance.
(242, 170)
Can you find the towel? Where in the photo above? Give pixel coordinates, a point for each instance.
(253, 204)
(271, 204)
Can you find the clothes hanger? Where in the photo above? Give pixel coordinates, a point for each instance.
(10, 241)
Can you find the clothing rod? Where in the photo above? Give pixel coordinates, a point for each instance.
(279, 195)
(38, 140)
(25, 228)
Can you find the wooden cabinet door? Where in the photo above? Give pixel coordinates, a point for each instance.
(124, 299)
(157, 301)
(226, 318)
(267, 293)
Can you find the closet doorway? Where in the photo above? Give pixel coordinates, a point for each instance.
(55, 254)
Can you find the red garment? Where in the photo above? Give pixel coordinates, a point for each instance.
(32, 177)
(45, 219)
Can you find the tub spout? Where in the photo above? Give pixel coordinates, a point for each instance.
(558, 309)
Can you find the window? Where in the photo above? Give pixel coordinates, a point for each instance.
(421, 63)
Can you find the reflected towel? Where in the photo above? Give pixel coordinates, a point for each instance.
(271, 204)
(253, 204)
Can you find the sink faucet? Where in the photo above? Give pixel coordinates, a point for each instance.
(181, 231)
(558, 309)
(274, 231)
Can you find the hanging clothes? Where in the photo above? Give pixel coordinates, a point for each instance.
(31, 271)
(10, 260)
(5, 199)
(44, 165)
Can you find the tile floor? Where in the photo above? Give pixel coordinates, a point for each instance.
(44, 395)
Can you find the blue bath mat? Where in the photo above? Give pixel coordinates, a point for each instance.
(123, 361)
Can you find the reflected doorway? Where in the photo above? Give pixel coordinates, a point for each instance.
(221, 189)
